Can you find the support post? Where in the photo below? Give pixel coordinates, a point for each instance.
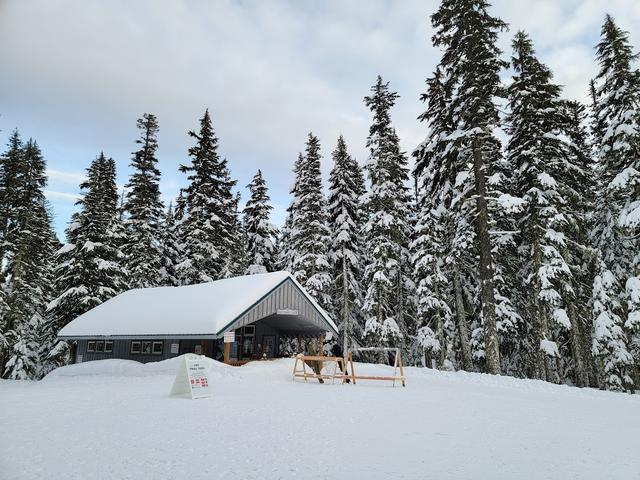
(299, 347)
(227, 352)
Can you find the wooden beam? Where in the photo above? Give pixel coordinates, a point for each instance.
(227, 353)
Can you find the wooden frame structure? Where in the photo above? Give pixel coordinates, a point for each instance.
(346, 366)
(300, 368)
(397, 366)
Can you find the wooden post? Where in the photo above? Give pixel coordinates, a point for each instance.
(227, 352)
(299, 350)
(320, 351)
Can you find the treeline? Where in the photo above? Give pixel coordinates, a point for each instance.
(519, 258)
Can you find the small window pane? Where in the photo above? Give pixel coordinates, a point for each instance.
(146, 348)
(135, 347)
(249, 329)
(108, 346)
(157, 348)
(91, 346)
(197, 349)
(99, 346)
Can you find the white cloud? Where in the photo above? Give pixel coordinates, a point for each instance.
(270, 71)
(61, 196)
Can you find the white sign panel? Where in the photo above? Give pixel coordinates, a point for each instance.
(286, 311)
(229, 337)
(193, 377)
(175, 348)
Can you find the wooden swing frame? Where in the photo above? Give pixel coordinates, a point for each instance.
(346, 365)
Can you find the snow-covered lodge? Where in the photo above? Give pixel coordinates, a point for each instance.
(152, 324)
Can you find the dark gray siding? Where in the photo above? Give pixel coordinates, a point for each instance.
(286, 296)
(122, 349)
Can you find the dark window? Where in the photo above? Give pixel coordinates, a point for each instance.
(157, 348)
(91, 346)
(108, 346)
(135, 347)
(249, 329)
(146, 348)
(100, 346)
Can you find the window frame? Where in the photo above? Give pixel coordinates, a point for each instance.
(143, 351)
(153, 348)
(99, 346)
(110, 343)
(134, 352)
(91, 349)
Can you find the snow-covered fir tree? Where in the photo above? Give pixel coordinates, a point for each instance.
(616, 96)
(308, 236)
(143, 210)
(236, 261)
(545, 169)
(286, 254)
(209, 212)
(345, 218)
(470, 69)
(89, 267)
(387, 229)
(170, 248)
(260, 232)
(27, 266)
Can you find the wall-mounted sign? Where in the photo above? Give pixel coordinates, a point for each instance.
(229, 337)
(192, 377)
(286, 311)
(175, 348)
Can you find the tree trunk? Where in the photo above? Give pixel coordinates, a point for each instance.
(579, 367)
(345, 308)
(487, 298)
(440, 334)
(463, 328)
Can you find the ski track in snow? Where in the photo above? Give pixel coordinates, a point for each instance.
(115, 420)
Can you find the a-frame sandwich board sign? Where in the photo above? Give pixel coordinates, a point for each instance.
(192, 377)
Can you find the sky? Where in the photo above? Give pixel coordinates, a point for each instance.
(76, 74)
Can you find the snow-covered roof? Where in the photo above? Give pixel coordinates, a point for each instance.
(202, 310)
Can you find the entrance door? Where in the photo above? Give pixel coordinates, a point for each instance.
(269, 345)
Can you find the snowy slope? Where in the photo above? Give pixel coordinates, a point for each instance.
(114, 420)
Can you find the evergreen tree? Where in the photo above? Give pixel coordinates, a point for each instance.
(345, 218)
(170, 248)
(387, 229)
(143, 210)
(470, 70)
(546, 169)
(89, 267)
(236, 262)
(308, 241)
(286, 253)
(616, 96)
(11, 168)
(27, 265)
(260, 232)
(209, 210)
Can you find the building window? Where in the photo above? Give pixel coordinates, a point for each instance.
(250, 330)
(91, 346)
(100, 346)
(108, 346)
(135, 347)
(197, 349)
(146, 348)
(157, 348)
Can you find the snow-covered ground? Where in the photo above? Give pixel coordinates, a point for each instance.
(114, 419)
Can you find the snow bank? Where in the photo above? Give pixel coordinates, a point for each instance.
(131, 368)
